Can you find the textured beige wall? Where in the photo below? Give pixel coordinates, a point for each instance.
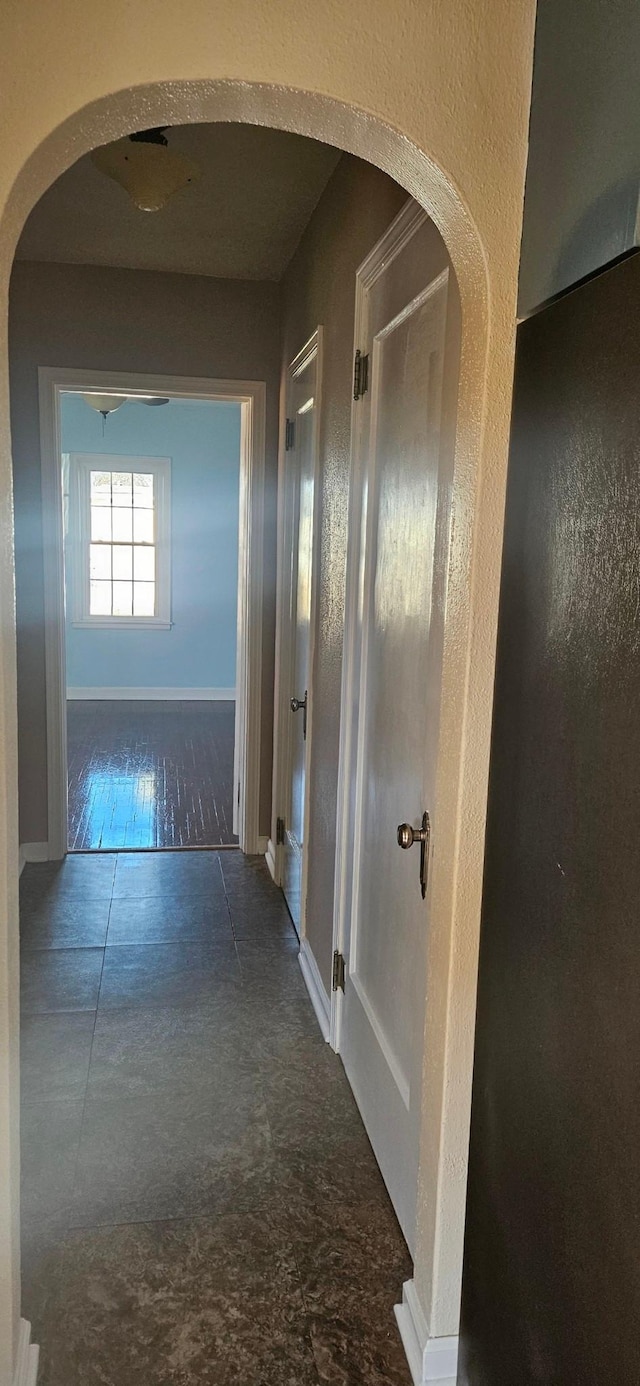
(435, 93)
(113, 319)
(319, 288)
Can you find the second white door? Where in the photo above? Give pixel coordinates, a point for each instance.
(295, 712)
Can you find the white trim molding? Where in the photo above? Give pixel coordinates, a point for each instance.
(27, 1355)
(316, 988)
(270, 858)
(152, 695)
(432, 1361)
(251, 396)
(32, 851)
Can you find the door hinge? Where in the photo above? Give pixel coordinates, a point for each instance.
(279, 832)
(338, 971)
(289, 435)
(360, 375)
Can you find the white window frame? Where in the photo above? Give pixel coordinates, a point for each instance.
(81, 464)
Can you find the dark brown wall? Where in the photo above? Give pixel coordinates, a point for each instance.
(551, 1291)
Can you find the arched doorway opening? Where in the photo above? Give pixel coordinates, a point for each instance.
(460, 783)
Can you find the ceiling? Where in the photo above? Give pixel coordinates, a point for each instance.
(242, 220)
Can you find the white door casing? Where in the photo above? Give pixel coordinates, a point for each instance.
(251, 396)
(296, 622)
(402, 445)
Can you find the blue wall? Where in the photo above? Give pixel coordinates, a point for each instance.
(199, 651)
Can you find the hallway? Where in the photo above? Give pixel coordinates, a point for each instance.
(200, 1202)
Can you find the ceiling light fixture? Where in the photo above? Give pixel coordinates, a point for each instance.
(146, 168)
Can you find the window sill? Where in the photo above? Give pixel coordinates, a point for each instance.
(122, 623)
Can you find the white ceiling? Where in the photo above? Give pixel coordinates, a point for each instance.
(242, 220)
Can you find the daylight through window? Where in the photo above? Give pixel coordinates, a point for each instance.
(122, 550)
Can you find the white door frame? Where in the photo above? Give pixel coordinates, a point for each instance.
(251, 396)
(287, 510)
(444, 1136)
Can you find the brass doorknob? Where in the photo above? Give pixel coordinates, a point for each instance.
(300, 705)
(406, 838)
(408, 835)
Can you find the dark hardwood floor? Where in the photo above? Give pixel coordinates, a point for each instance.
(150, 774)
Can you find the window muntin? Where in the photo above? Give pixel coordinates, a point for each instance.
(121, 541)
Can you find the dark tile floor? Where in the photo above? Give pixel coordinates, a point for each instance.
(201, 1205)
(150, 774)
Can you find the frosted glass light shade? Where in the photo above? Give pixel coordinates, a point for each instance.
(105, 404)
(150, 173)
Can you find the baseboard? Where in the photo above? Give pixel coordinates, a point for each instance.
(263, 843)
(27, 1357)
(432, 1361)
(270, 856)
(152, 695)
(316, 988)
(32, 851)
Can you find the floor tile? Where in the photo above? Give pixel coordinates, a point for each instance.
(49, 1137)
(157, 919)
(90, 877)
(174, 1155)
(54, 1055)
(175, 1305)
(179, 1223)
(154, 1049)
(169, 873)
(60, 980)
(67, 922)
(41, 1247)
(166, 973)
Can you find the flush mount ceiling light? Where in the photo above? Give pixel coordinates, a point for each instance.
(146, 168)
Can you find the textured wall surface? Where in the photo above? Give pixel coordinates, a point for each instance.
(319, 288)
(435, 93)
(202, 440)
(551, 1276)
(94, 318)
(583, 175)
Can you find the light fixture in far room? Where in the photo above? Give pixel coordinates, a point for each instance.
(105, 404)
(146, 168)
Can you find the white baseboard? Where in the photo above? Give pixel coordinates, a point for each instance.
(152, 695)
(263, 843)
(26, 1369)
(270, 856)
(32, 851)
(316, 988)
(432, 1361)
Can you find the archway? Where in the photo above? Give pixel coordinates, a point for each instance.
(465, 685)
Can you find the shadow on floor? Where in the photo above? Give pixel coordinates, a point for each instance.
(201, 1205)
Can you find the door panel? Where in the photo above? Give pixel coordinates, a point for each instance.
(301, 458)
(401, 473)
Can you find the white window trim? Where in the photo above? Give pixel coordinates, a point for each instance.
(80, 466)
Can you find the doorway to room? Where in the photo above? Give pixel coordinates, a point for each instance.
(153, 490)
(151, 501)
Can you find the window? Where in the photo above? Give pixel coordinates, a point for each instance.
(120, 540)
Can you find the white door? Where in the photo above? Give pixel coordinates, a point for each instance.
(402, 459)
(300, 466)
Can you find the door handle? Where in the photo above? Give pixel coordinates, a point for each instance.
(406, 838)
(300, 705)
